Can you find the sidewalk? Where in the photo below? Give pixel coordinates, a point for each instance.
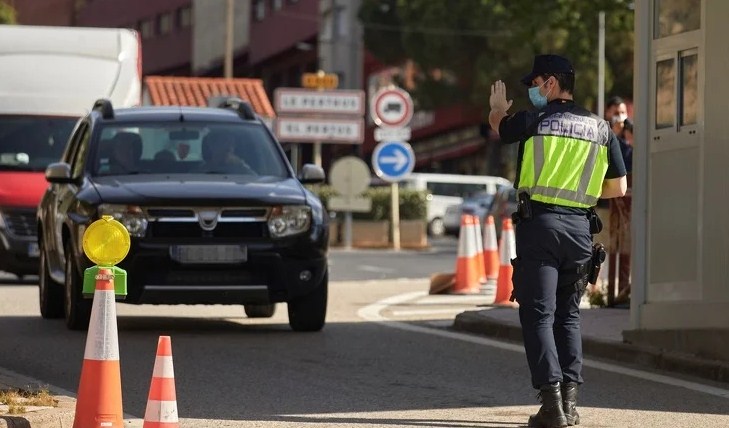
(601, 339)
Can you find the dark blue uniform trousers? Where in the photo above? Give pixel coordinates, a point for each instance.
(550, 247)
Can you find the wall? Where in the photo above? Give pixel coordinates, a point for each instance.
(161, 54)
(208, 40)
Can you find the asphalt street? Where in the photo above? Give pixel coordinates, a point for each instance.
(386, 358)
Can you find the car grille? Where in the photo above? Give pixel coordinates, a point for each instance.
(229, 222)
(222, 230)
(21, 222)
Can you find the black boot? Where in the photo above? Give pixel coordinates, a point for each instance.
(569, 403)
(551, 414)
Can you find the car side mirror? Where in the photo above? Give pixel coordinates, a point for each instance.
(59, 172)
(311, 174)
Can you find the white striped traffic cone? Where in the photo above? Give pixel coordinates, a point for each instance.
(162, 402)
(468, 273)
(99, 398)
(507, 252)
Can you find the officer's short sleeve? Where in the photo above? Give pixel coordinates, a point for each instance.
(616, 165)
(514, 128)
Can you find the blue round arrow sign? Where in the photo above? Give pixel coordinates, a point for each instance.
(393, 160)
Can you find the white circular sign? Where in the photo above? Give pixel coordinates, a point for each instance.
(391, 107)
(349, 176)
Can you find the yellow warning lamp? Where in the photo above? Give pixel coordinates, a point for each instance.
(106, 242)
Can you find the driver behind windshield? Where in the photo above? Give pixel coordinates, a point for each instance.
(126, 149)
(218, 151)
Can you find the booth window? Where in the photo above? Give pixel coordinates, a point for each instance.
(689, 87)
(675, 17)
(665, 93)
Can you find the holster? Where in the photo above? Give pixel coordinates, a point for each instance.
(523, 208)
(598, 257)
(595, 221)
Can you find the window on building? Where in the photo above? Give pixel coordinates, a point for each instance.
(260, 10)
(184, 17)
(164, 23)
(276, 4)
(676, 17)
(146, 28)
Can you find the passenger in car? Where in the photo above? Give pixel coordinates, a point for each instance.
(218, 152)
(126, 152)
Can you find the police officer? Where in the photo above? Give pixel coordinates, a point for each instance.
(568, 158)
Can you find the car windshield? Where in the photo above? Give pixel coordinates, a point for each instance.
(187, 148)
(30, 143)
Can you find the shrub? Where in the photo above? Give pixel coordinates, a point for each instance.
(413, 203)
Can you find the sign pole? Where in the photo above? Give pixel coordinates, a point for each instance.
(348, 230)
(295, 156)
(395, 211)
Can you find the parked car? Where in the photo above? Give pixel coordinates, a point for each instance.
(477, 205)
(214, 210)
(445, 190)
(503, 206)
(49, 77)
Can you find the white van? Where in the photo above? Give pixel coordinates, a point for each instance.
(445, 190)
(49, 77)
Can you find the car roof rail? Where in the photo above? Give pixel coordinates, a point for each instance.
(104, 106)
(243, 108)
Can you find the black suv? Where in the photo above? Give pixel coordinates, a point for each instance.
(215, 213)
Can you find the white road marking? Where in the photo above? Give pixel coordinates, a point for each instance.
(427, 311)
(372, 313)
(377, 269)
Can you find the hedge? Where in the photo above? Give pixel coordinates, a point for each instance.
(413, 203)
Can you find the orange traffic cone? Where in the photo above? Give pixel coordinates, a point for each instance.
(468, 272)
(162, 402)
(479, 249)
(507, 251)
(99, 398)
(490, 249)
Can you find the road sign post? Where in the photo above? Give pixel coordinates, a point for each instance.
(319, 114)
(393, 161)
(391, 108)
(350, 177)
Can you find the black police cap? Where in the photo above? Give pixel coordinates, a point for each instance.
(548, 64)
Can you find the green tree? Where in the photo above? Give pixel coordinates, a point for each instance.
(462, 46)
(7, 13)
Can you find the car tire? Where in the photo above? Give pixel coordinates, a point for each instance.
(77, 309)
(260, 311)
(308, 313)
(436, 227)
(51, 298)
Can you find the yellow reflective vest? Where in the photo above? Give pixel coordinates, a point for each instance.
(565, 162)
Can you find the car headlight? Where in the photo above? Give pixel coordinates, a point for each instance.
(289, 220)
(131, 216)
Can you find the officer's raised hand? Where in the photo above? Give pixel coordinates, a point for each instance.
(498, 103)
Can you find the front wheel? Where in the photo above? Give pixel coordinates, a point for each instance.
(260, 311)
(436, 227)
(50, 294)
(77, 308)
(308, 313)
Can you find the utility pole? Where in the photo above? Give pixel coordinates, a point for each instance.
(228, 55)
(601, 65)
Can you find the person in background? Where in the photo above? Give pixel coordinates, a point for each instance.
(567, 160)
(616, 112)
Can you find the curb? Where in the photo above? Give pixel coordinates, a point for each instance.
(46, 417)
(714, 370)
